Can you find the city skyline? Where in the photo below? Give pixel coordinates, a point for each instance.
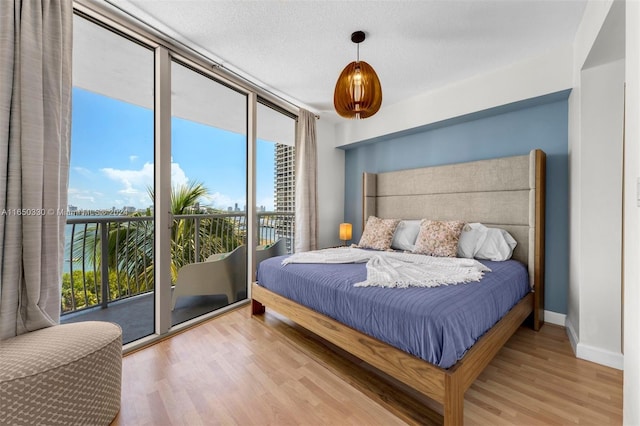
(124, 210)
(112, 158)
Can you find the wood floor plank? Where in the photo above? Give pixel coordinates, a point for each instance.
(238, 370)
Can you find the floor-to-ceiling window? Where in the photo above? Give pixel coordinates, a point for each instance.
(109, 256)
(275, 176)
(208, 193)
(162, 153)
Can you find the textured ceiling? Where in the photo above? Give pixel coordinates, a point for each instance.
(297, 49)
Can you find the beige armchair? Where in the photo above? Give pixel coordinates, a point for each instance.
(224, 273)
(219, 274)
(276, 249)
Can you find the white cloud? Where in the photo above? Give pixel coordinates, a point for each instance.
(131, 178)
(83, 171)
(129, 191)
(222, 201)
(133, 158)
(178, 177)
(134, 183)
(78, 196)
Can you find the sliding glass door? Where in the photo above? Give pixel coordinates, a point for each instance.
(208, 194)
(109, 253)
(177, 174)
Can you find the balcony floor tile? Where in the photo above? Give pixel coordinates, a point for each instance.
(136, 314)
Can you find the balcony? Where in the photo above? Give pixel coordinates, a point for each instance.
(118, 250)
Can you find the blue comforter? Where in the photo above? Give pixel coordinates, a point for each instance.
(436, 324)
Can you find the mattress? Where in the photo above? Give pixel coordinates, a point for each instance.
(437, 324)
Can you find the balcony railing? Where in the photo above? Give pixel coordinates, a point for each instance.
(118, 250)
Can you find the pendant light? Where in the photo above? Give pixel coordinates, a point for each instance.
(358, 93)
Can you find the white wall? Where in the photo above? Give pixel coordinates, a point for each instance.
(595, 161)
(594, 16)
(330, 185)
(632, 219)
(600, 214)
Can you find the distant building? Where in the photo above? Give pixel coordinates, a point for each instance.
(72, 209)
(284, 194)
(128, 209)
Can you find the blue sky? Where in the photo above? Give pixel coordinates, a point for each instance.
(112, 157)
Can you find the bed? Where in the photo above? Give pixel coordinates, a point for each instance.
(507, 193)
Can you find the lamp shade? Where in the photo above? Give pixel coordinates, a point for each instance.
(358, 93)
(345, 231)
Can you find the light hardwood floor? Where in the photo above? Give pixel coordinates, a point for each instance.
(236, 369)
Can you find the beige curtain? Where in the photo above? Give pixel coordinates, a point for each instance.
(306, 183)
(35, 115)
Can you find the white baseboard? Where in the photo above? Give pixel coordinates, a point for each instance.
(573, 336)
(555, 318)
(600, 356)
(591, 353)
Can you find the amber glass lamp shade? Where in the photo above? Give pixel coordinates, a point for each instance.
(358, 93)
(345, 232)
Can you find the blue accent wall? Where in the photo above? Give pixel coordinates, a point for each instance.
(513, 129)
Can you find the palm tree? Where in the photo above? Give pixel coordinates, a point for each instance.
(130, 243)
(214, 234)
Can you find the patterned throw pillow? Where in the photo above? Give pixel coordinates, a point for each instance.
(438, 238)
(378, 233)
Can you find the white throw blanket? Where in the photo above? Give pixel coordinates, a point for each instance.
(394, 269)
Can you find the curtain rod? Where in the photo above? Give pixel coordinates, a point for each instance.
(215, 64)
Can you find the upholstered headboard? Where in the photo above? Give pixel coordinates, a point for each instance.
(504, 192)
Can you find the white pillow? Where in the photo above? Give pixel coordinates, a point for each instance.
(404, 237)
(498, 245)
(481, 242)
(471, 239)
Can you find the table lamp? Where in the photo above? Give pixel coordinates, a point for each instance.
(345, 232)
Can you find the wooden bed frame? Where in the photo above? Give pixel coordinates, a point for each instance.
(445, 386)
